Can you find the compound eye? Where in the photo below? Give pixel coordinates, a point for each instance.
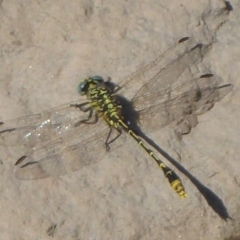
(82, 88)
(98, 78)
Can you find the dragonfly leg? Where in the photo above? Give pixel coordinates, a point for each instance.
(82, 106)
(91, 119)
(116, 89)
(107, 142)
(113, 87)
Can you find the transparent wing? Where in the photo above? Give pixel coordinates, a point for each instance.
(161, 96)
(34, 130)
(163, 71)
(78, 147)
(166, 78)
(183, 103)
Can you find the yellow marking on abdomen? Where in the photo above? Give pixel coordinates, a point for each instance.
(172, 177)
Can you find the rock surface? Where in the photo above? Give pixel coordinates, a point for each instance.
(47, 48)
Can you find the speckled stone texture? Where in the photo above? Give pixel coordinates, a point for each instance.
(47, 47)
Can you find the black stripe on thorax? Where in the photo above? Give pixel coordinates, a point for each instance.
(103, 101)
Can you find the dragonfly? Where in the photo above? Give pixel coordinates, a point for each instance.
(80, 133)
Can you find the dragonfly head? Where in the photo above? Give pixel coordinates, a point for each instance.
(86, 83)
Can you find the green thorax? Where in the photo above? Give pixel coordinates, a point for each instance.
(101, 98)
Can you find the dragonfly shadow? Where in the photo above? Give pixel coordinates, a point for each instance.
(131, 117)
